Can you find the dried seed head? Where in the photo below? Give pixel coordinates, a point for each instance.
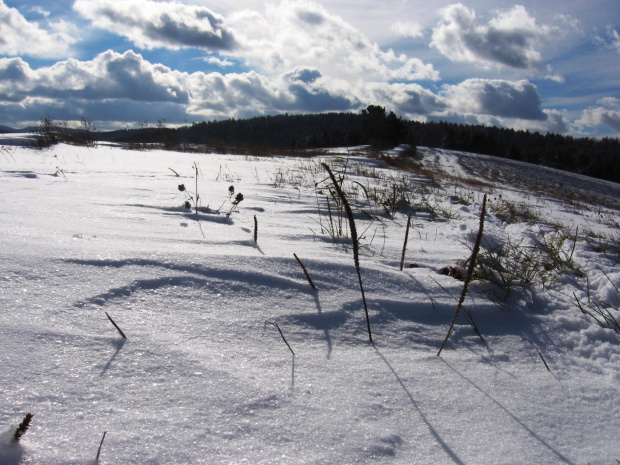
(181, 187)
(23, 427)
(187, 205)
(239, 198)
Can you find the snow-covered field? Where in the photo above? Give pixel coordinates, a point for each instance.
(203, 379)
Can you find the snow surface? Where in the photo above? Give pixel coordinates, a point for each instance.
(203, 379)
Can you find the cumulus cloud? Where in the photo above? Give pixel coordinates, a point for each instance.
(18, 36)
(510, 38)
(409, 100)
(303, 33)
(247, 94)
(151, 24)
(113, 77)
(610, 102)
(312, 91)
(555, 122)
(607, 115)
(508, 99)
(108, 76)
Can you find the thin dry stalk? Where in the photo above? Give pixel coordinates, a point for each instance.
(100, 444)
(540, 354)
(281, 334)
(255, 230)
(470, 272)
(305, 271)
(402, 259)
(197, 195)
(116, 326)
(354, 240)
(23, 427)
(331, 219)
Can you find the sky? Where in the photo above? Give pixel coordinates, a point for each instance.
(540, 66)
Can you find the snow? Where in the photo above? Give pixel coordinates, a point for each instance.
(203, 379)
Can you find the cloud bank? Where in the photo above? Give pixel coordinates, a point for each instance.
(128, 77)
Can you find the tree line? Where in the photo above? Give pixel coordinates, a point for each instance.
(599, 158)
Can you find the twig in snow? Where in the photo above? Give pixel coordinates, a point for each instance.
(305, 271)
(100, 444)
(539, 353)
(280, 331)
(402, 260)
(116, 326)
(177, 174)
(255, 230)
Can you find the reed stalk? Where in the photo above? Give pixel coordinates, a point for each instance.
(354, 240)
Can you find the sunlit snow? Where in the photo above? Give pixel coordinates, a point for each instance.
(203, 378)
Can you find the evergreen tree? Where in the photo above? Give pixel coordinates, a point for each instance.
(381, 130)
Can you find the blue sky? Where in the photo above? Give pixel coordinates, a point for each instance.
(541, 66)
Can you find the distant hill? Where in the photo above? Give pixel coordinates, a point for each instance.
(599, 158)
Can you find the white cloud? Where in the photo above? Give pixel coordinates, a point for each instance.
(510, 38)
(212, 60)
(408, 100)
(570, 21)
(108, 76)
(247, 94)
(607, 115)
(556, 122)
(39, 10)
(610, 40)
(151, 24)
(610, 102)
(20, 37)
(508, 99)
(551, 76)
(111, 76)
(303, 33)
(407, 29)
(285, 35)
